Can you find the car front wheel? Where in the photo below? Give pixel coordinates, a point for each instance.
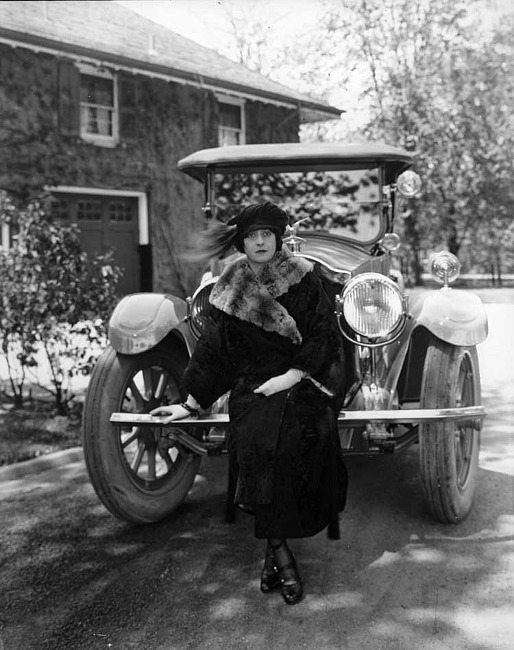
(141, 474)
(449, 450)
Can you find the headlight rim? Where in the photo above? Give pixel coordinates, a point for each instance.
(194, 321)
(365, 339)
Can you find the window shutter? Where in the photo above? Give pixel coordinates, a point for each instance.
(128, 99)
(69, 98)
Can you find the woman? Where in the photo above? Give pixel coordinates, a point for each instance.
(272, 342)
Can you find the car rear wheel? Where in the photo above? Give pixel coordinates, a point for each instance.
(141, 474)
(449, 450)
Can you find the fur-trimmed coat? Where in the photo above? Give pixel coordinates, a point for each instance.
(285, 446)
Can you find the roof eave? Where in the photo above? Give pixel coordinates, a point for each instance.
(312, 113)
(309, 111)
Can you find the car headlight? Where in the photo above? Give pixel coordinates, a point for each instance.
(372, 305)
(199, 308)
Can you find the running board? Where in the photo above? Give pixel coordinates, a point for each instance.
(472, 414)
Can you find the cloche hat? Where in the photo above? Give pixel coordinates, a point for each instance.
(260, 215)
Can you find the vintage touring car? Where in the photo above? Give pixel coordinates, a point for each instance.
(412, 363)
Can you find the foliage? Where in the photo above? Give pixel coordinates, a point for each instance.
(252, 40)
(49, 296)
(435, 84)
(323, 200)
(70, 352)
(434, 77)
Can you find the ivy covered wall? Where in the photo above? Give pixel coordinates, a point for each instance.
(160, 122)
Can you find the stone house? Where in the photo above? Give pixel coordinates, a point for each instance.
(97, 105)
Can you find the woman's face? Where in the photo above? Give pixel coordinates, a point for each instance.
(260, 246)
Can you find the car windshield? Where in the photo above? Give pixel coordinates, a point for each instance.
(344, 202)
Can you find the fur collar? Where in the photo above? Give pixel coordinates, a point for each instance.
(251, 298)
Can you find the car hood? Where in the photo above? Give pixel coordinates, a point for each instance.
(334, 253)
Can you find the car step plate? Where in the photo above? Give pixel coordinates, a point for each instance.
(350, 418)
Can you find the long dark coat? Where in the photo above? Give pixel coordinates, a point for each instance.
(286, 448)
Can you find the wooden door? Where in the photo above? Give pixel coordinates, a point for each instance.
(106, 223)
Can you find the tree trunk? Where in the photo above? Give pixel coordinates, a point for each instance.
(499, 270)
(452, 241)
(417, 269)
(493, 277)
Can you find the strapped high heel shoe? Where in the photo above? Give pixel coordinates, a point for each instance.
(269, 575)
(285, 564)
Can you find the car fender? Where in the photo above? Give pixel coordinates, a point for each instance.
(455, 316)
(141, 320)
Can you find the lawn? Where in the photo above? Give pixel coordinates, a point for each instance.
(35, 429)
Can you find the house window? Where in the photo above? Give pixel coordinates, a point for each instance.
(60, 209)
(231, 129)
(89, 210)
(98, 106)
(120, 211)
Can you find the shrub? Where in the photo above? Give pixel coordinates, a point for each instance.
(54, 300)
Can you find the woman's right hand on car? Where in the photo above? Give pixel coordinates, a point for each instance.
(174, 411)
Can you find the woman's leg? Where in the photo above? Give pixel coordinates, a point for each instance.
(269, 575)
(285, 565)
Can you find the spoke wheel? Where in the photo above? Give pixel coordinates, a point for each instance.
(449, 450)
(141, 474)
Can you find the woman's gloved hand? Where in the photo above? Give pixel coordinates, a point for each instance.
(280, 382)
(175, 412)
(178, 411)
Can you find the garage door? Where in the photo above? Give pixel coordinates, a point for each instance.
(105, 223)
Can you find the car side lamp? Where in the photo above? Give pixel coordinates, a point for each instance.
(390, 242)
(444, 267)
(409, 184)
